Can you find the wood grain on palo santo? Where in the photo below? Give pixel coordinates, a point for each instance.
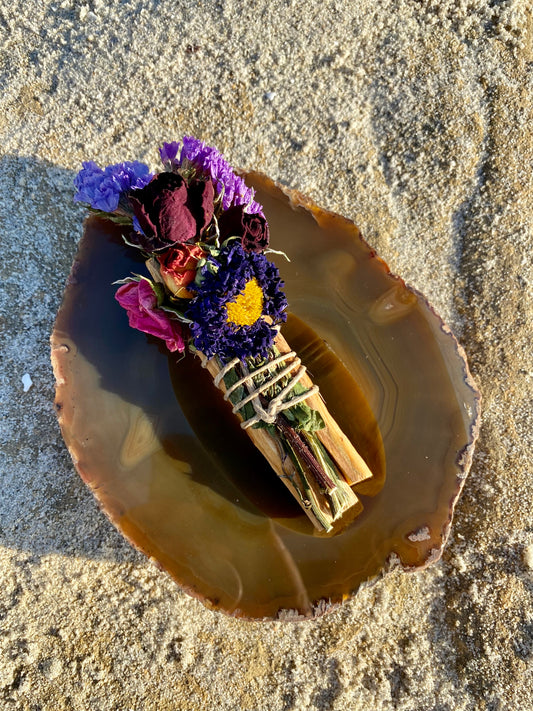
(325, 499)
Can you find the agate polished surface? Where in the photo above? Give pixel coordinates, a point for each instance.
(172, 469)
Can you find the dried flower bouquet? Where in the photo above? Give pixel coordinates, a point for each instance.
(210, 289)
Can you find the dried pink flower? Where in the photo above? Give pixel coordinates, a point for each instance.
(140, 301)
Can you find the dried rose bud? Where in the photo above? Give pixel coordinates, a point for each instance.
(170, 211)
(252, 229)
(178, 268)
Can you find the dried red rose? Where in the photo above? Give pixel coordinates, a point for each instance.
(178, 268)
(252, 229)
(171, 211)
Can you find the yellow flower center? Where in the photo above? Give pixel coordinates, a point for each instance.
(248, 306)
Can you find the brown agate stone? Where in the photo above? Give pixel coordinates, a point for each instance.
(172, 469)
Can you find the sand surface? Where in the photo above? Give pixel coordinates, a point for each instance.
(411, 118)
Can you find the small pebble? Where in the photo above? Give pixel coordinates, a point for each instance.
(51, 668)
(269, 95)
(27, 382)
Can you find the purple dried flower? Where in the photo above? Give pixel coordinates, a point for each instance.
(102, 188)
(168, 152)
(224, 277)
(137, 226)
(210, 161)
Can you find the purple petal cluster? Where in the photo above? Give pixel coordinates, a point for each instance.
(212, 333)
(168, 152)
(102, 188)
(210, 161)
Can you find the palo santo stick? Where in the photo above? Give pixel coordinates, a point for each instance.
(323, 505)
(347, 458)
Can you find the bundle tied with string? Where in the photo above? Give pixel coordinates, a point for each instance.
(209, 288)
(324, 493)
(283, 401)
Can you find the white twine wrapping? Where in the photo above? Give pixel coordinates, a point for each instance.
(276, 405)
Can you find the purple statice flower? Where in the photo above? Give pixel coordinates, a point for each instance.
(210, 161)
(169, 152)
(136, 226)
(102, 188)
(224, 277)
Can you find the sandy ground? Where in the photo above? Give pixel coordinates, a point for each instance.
(414, 119)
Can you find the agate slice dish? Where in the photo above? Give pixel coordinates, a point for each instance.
(170, 466)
